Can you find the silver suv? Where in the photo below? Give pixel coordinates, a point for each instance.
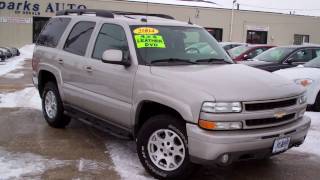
(168, 85)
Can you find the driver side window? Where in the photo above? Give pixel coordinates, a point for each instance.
(304, 55)
(194, 45)
(111, 36)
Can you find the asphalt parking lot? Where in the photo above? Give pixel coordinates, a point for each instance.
(30, 149)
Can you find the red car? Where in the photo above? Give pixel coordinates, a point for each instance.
(245, 52)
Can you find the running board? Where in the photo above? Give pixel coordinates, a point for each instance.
(96, 122)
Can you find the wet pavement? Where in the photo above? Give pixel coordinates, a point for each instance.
(30, 149)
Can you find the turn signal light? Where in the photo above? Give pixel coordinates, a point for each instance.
(207, 124)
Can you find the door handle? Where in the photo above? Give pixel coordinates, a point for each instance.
(88, 68)
(60, 61)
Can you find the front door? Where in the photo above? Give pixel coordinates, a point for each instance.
(111, 85)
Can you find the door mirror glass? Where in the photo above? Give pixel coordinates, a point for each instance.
(112, 55)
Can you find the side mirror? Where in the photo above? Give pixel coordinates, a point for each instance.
(290, 60)
(115, 56)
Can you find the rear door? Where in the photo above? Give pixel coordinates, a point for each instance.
(72, 63)
(110, 85)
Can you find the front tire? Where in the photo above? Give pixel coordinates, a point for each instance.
(52, 107)
(163, 148)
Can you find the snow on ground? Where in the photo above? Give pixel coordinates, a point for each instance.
(28, 97)
(312, 142)
(18, 165)
(126, 160)
(14, 75)
(17, 61)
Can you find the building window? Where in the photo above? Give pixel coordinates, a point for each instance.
(300, 39)
(216, 33)
(257, 37)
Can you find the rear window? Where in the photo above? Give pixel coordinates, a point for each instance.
(237, 51)
(79, 37)
(52, 32)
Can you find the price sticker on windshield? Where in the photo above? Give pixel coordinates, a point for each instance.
(149, 41)
(146, 31)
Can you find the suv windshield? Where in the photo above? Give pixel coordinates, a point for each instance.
(235, 52)
(276, 54)
(315, 63)
(177, 45)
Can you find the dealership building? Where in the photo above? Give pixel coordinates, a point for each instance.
(21, 21)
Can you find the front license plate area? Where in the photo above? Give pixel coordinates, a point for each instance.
(281, 144)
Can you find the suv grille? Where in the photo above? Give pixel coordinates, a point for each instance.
(267, 121)
(270, 105)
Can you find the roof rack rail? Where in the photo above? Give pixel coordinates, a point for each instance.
(97, 12)
(106, 13)
(165, 16)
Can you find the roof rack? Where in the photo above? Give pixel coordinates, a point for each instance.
(107, 14)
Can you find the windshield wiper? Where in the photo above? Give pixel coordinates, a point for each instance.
(214, 60)
(173, 60)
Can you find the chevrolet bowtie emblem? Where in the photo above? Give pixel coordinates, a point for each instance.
(279, 115)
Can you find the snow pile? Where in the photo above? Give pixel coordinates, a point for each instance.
(312, 142)
(28, 97)
(17, 61)
(126, 160)
(14, 75)
(17, 165)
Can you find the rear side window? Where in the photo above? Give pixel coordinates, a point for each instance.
(52, 32)
(79, 37)
(111, 36)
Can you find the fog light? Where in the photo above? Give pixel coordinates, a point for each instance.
(225, 158)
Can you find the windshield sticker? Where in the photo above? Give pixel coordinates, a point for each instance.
(146, 30)
(149, 41)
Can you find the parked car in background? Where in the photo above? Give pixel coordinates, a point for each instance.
(230, 45)
(307, 75)
(2, 55)
(14, 51)
(6, 51)
(284, 57)
(245, 52)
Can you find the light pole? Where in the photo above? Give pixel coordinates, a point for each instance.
(232, 19)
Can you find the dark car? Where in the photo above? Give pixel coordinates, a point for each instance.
(2, 56)
(245, 52)
(284, 57)
(7, 51)
(14, 51)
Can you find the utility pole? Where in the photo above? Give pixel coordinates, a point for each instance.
(232, 19)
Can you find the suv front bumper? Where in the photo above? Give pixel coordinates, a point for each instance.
(209, 146)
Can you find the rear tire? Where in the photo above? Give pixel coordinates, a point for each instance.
(163, 148)
(52, 107)
(316, 106)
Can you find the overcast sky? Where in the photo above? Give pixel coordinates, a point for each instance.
(304, 7)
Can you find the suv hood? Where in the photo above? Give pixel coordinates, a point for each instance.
(229, 82)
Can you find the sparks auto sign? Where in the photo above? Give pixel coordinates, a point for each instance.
(35, 8)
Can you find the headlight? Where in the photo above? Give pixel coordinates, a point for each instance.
(303, 82)
(221, 107)
(303, 99)
(212, 125)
